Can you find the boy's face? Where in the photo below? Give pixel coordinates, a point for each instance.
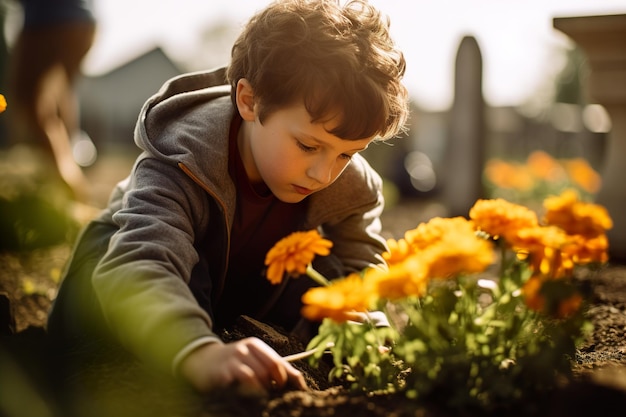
(291, 155)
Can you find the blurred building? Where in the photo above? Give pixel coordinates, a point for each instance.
(110, 103)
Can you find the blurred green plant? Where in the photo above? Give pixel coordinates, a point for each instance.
(30, 221)
(34, 212)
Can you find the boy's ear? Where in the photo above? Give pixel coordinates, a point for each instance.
(245, 100)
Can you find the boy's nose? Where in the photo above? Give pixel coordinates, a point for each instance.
(322, 172)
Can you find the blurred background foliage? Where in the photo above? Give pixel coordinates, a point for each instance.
(34, 212)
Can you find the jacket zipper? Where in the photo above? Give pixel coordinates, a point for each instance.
(206, 188)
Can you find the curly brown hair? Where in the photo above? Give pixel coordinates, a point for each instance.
(339, 59)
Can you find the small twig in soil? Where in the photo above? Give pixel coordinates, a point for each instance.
(302, 355)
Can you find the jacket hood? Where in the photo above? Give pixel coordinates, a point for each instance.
(188, 112)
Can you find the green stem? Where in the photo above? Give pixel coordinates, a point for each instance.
(316, 276)
(503, 260)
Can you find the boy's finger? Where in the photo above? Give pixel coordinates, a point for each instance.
(296, 380)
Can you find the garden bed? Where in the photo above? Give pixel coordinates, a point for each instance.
(29, 280)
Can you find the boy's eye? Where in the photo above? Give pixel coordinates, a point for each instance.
(304, 147)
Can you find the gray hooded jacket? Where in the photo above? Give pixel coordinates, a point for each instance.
(175, 212)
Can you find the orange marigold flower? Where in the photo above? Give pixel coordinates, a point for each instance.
(583, 174)
(403, 279)
(552, 263)
(569, 306)
(461, 254)
(338, 300)
(499, 217)
(3, 103)
(544, 246)
(399, 250)
(532, 294)
(508, 175)
(585, 250)
(294, 253)
(436, 230)
(533, 239)
(559, 301)
(542, 165)
(446, 246)
(576, 217)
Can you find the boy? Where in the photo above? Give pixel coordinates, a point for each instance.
(232, 162)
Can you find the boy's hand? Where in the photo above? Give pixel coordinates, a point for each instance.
(249, 363)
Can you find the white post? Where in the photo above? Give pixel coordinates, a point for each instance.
(465, 150)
